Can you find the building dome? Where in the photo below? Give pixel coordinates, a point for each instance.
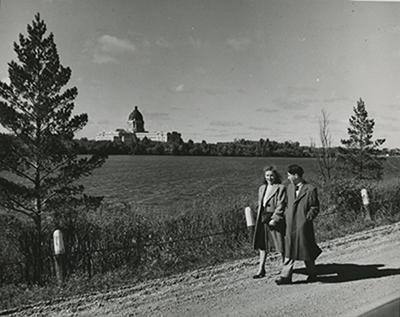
(135, 115)
(135, 121)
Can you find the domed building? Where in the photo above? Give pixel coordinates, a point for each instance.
(134, 130)
(135, 121)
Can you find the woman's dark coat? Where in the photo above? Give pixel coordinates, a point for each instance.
(300, 239)
(275, 207)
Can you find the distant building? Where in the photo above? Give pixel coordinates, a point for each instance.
(135, 130)
(159, 136)
(118, 135)
(107, 136)
(136, 122)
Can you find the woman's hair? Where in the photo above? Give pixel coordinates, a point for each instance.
(273, 169)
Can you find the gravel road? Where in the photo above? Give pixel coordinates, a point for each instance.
(355, 272)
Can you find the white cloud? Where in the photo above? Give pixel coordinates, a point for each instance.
(179, 88)
(225, 123)
(112, 44)
(266, 110)
(196, 43)
(100, 58)
(146, 43)
(158, 115)
(292, 104)
(238, 44)
(264, 128)
(295, 91)
(108, 48)
(162, 42)
(201, 70)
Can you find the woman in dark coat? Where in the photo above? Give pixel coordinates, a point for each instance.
(270, 223)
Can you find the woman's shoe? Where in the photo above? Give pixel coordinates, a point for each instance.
(259, 275)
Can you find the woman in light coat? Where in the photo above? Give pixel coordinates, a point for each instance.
(270, 224)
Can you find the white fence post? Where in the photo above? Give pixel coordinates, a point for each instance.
(59, 251)
(365, 201)
(250, 221)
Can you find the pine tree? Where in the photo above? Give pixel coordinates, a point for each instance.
(39, 155)
(359, 157)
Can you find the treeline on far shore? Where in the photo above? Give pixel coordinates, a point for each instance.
(176, 146)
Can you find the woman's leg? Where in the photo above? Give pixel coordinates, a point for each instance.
(261, 265)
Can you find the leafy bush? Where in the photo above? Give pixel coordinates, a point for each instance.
(343, 198)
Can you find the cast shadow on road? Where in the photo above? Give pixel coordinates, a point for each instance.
(344, 272)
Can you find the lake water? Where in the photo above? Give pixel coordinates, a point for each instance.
(180, 182)
(170, 180)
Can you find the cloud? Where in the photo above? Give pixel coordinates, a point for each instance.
(381, 32)
(386, 118)
(105, 122)
(306, 116)
(100, 58)
(109, 48)
(293, 104)
(196, 43)
(225, 123)
(335, 99)
(217, 129)
(238, 44)
(266, 110)
(158, 115)
(180, 88)
(300, 90)
(214, 91)
(112, 44)
(393, 107)
(162, 42)
(201, 70)
(222, 135)
(395, 29)
(265, 129)
(146, 43)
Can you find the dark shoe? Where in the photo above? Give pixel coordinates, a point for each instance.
(283, 281)
(312, 278)
(259, 275)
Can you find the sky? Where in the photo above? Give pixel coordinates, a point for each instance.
(219, 70)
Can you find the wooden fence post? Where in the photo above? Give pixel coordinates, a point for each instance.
(59, 252)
